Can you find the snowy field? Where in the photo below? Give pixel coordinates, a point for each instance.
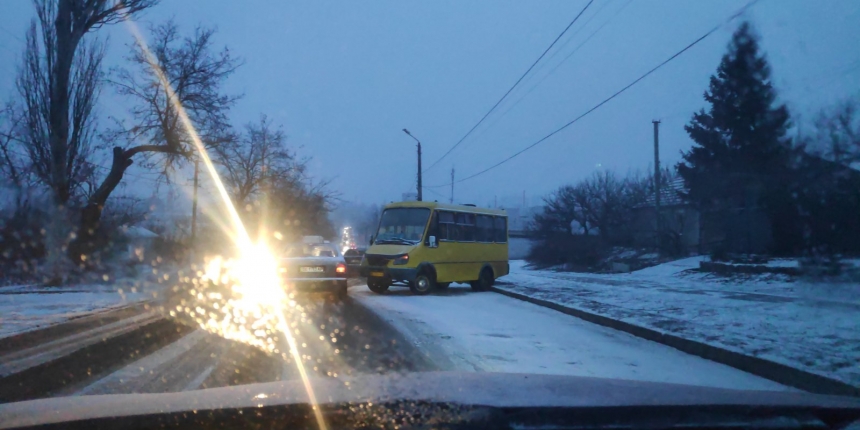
(27, 307)
(811, 326)
(488, 332)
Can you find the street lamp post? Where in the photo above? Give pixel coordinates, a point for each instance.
(419, 161)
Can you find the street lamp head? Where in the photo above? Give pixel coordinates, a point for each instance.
(407, 132)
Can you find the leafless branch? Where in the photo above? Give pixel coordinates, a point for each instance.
(59, 83)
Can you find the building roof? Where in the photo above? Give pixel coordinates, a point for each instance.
(669, 195)
(136, 232)
(446, 206)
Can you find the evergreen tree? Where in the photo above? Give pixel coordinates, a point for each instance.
(741, 154)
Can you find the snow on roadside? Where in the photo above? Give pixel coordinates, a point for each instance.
(466, 331)
(811, 326)
(27, 307)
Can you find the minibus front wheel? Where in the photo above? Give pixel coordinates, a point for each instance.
(424, 283)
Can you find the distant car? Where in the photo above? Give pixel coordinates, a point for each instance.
(353, 258)
(312, 267)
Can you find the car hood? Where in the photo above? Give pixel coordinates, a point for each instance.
(498, 390)
(390, 249)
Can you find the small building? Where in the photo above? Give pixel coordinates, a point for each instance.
(520, 218)
(680, 221)
(140, 243)
(741, 228)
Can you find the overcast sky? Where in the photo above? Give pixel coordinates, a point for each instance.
(343, 78)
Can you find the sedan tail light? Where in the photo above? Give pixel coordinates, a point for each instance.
(341, 268)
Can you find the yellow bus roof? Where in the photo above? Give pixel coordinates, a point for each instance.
(446, 206)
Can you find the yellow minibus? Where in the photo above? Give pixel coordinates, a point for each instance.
(429, 245)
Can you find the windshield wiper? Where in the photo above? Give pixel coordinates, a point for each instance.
(397, 240)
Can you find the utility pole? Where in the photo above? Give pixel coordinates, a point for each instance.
(419, 161)
(452, 187)
(194, 200)
(657, 180)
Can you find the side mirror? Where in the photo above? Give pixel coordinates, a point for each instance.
(371, 240)
(433, 243)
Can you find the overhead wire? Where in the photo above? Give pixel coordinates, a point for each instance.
(569, 39)
(541, 81)
(608, 99)
(512, 87)
(435, 192)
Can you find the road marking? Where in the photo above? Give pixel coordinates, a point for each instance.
(197, 381)
(22, 360)
(144, 366)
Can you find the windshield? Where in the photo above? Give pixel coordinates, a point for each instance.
(401, 225)
(200, 195)
(305, 250)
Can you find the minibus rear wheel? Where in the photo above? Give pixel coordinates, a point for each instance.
(485, 280)
(377, 286)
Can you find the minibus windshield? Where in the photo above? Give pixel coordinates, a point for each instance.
(402, 225)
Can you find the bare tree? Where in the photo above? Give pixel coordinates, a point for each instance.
(256, 160)
(838, 129)
(826, 184)
(368, 221)
(125, 211)
(270, 182)
(172, 73)
(606, 201)
(564, 206)
(599, 204)
(15, 167)
(59, 84)
(302, 207)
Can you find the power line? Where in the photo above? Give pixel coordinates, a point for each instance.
(512, 87)
(616, 94)
(569, 39)
(512, 106)
(436, 193)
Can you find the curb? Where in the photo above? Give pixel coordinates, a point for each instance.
(767, 369)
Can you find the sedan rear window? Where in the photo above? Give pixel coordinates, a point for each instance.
(305, 250)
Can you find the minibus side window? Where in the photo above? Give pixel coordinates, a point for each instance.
(447, 228)
(485, 228)
(466, 227)
(501, 229)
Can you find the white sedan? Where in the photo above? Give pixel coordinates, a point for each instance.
(314, 267)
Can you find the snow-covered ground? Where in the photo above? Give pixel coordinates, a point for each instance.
(811, 326)
(462, 330)
(27, 307)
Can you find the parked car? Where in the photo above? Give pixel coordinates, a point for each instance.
(353, 258)
(312, 267)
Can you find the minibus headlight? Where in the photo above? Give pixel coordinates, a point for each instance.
(401, 259)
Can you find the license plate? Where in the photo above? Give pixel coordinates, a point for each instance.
(377, 274)
(312, 269)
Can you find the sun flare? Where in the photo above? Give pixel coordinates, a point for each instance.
(253, 310)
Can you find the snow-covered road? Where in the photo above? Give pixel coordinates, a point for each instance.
(27, 307)
(461, 330)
